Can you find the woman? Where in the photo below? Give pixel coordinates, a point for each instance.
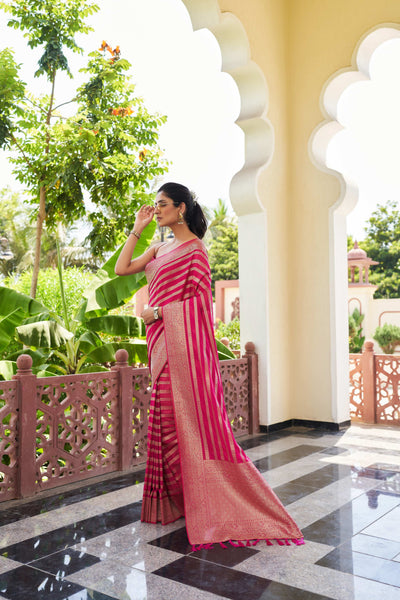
(194, 467)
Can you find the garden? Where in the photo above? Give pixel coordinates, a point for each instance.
(86, 162)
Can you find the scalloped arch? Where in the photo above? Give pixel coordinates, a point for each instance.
(319, 142)
(258, 131)
(330, 97)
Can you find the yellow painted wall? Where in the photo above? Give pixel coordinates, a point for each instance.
(299, 45)
(266, 27)
(323, 35)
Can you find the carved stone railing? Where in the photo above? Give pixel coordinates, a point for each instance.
(64, 429)
(374, 387)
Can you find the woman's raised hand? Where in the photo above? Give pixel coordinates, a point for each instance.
(143, 217)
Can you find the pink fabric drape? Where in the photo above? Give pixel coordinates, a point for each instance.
(225, 497)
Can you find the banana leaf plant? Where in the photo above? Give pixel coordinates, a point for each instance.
(74, 345)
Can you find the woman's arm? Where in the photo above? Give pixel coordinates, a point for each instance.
(201, 282)
(125, 265)
(148, 314)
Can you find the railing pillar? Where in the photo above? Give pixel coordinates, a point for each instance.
(26, 394)
(252, 360)
(369, 383)
(125, 395)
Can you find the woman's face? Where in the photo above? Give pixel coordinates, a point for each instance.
(166, 213)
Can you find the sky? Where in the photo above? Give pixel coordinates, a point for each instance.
(177, 72)
(369, 146)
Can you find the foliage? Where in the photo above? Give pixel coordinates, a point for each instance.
(231, 331)
(17, 240)
(76, 281)
(16, 232)
(356, 339)
(388, 337)
(219, 216)
(224, 353)
(12, 91)
(108, 148)
(223, 253)
(222, 244)
(350, 243)
(382, 244)
(73, 343)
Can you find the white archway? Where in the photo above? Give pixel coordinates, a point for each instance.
(259, 147)
(319, 143)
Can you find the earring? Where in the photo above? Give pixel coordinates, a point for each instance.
(180, 220)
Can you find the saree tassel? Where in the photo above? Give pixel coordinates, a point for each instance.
(298, 542)
(199, 547)
(249, 543)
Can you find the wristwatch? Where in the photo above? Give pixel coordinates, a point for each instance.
(155, 312)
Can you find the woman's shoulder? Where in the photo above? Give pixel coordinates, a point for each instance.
(198, 243)
(154, 248)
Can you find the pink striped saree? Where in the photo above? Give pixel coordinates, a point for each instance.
(194, 467)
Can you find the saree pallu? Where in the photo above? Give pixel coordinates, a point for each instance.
(195, 468)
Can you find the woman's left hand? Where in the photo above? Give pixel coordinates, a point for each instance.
(148, 315)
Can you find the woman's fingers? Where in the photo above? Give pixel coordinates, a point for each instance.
(145, 213)
(144, 216)
(147, 210)
(148, 316)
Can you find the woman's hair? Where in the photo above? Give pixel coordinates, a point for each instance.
(194, 215)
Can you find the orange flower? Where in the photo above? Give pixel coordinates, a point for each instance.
(121, 111)
(142, 154)
(124, 112)
(103, 46)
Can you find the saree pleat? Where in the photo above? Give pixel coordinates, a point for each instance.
(195, 468)
(163, 496)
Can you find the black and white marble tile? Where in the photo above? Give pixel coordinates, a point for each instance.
(343, 488)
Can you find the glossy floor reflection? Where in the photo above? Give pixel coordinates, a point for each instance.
(343, 489)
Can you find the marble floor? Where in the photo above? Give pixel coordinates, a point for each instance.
(343, 489)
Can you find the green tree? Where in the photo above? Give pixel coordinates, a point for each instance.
(17, 241)
(219, 216)
(15, 232)
(356, 338)
(108, 148)
(382, 243)
(350, 242)
(223, 253)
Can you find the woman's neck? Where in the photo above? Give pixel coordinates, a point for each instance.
(181, 233)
